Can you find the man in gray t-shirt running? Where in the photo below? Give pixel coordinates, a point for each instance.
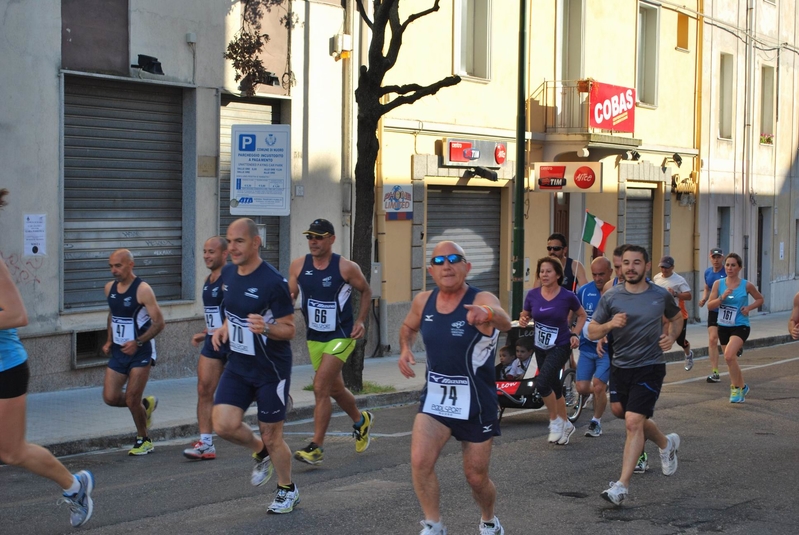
(634, 312)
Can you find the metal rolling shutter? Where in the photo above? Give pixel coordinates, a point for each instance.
(640, 205)
(241, 112)
(470, 217)
(123, 185)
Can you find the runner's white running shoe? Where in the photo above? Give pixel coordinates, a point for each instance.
(615, 494)
(668, 457)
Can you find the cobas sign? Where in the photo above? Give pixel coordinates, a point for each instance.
(612, 107)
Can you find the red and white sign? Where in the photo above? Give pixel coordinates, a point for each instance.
(612, 107)
(570, 177)
(462, 151)
(500, 153)
(584, 177)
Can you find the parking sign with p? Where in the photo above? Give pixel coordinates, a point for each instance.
(246, 142)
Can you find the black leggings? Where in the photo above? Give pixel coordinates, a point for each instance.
(550, 363)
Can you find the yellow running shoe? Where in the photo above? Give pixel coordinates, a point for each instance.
(363, 434)
(311, 454)
(149, 407)
(142, 446)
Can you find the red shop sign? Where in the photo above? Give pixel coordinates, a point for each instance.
(612, 107)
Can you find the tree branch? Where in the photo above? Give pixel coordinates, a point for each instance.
(399, 89)
(417, 92)
(395, 43)
(420, 15)
(364, 16)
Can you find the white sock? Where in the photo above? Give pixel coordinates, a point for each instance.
(493, 521)
(207, 439)
(74, 488)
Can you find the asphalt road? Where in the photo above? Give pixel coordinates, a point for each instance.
(737, 474)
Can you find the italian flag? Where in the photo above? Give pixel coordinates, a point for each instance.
(596, 231)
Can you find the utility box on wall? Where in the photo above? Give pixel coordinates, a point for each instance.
(376, 282)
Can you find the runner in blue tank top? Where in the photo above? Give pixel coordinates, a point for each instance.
(325, 281)
(460, 326)
(134, 320)
(712, 274)
(259, 325)
(212, 362)
(593, 367)
(731, 296)
(14, 376)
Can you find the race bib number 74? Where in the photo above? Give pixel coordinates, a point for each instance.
(448, 396)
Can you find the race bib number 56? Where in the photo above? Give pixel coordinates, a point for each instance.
(448, 396)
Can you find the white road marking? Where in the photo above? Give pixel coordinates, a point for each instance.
(752, 367)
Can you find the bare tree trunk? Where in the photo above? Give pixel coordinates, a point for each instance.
(368, 148)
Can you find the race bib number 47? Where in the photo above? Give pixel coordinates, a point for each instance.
(122, 329)
(448, 396)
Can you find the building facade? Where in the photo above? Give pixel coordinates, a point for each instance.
(750, 135)
(120, 138)
(674, 123)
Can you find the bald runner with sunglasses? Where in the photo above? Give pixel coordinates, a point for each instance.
(460, 325)
(326, 281)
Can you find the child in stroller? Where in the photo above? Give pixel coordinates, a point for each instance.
(519, 391)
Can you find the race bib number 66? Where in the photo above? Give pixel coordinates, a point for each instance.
(448, 396)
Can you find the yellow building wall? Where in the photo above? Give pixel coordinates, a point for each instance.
(427, 56)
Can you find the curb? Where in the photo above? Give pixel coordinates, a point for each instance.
(191, 430)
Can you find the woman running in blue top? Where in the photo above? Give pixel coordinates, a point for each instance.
(14, 375)
(731, 297)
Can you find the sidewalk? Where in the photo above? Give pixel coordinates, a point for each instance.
(77, 421)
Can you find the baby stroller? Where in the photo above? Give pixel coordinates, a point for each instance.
(523, 394)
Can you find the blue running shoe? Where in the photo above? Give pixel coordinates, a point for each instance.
(745, 390)
(736, 395)
(80, 504)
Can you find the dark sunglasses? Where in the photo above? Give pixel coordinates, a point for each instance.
(554, 248)
(451, 258)
(310, 237)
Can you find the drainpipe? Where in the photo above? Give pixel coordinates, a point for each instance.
(699, 282)
(347, 98)
(748, 135)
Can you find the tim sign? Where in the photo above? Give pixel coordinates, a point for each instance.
(612, 107)
(573, 177)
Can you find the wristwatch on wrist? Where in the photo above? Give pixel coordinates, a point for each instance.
(139, 342)
(266, 329)
(574, 334)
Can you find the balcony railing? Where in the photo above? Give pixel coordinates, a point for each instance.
(566, 107)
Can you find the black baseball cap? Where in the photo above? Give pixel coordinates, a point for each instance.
(666, 262)
(716, 252)
(321, 227)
